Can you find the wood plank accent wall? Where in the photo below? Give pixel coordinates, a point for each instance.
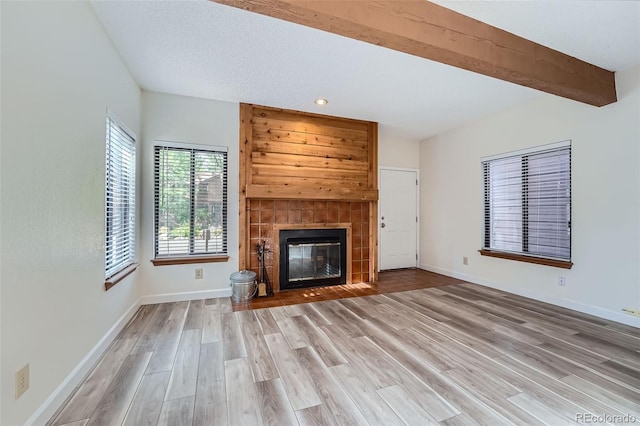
(295, 156)
(301, 155)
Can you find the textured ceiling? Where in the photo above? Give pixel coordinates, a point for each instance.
(603, 33)
(203, 49)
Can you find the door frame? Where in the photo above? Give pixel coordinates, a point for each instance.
(399, 169)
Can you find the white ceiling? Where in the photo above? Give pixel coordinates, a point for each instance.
(203, 49)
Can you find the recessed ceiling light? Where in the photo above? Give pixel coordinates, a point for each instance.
(321, 101)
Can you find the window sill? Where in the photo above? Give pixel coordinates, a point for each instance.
(529, 259)
(119, 276)
(164, 261)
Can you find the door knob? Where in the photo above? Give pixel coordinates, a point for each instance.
(383, 225)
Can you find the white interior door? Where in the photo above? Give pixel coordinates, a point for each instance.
(398, 218)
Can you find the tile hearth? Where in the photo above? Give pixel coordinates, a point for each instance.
(389, 282)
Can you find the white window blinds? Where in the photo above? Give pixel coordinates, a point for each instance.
(190, 200)
(120, 200)
(527, 202)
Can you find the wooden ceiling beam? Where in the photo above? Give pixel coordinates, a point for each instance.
(434, 32)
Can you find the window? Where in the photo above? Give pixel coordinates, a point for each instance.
(190, 200)
(527, 205)
(120, 199)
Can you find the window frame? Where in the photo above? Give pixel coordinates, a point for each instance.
(185, 258)
(523, 255)
(117, 271)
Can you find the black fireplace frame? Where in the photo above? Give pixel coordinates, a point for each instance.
(319, 235)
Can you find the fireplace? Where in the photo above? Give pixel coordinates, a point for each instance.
(312, 257)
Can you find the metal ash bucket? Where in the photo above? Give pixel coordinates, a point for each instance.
(243, 286)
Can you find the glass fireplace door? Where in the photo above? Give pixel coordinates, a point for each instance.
(313, 261)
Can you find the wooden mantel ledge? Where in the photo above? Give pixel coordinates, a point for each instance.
(284, 192)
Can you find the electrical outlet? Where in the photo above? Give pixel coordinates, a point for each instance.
(22, 381)
(562, 281)
(199, 274)
(465, 260)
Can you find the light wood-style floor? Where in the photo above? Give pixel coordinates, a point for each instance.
(454, 355)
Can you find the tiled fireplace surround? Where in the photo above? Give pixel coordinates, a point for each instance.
(264, 214)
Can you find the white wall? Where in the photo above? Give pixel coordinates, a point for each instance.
(196, 121)
(59, 74)
(605, 200)
(396, 151)
(1, 392)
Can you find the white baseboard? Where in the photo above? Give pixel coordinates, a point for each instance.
(187, 295)
(73, 379)
(565, 303)
(48, 408)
